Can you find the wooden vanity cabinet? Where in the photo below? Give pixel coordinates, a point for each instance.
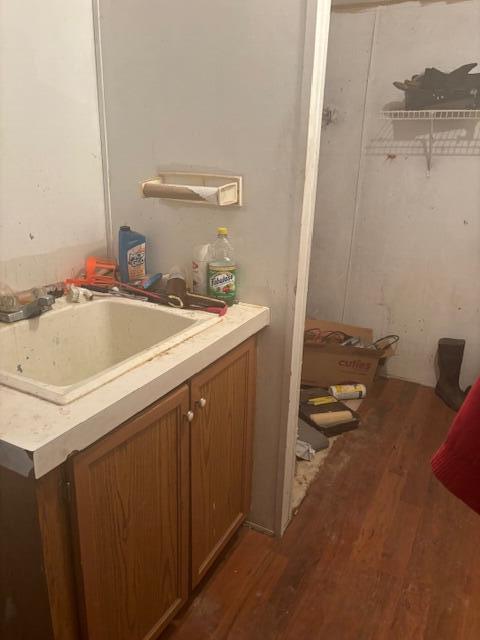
(131, 504)
(117, 537)
(221, 453)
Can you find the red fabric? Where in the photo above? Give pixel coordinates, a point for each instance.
(457, 463)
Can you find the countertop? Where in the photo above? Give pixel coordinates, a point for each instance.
(36, 435)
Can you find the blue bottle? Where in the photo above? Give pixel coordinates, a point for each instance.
(131, 254)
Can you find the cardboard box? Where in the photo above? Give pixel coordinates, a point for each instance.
(326, 364)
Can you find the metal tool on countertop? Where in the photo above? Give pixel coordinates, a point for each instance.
(88, 292)
(121, 288)
(177, 286)
(115, 292)
(101, 275)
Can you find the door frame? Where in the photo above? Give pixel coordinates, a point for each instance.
(313, 85)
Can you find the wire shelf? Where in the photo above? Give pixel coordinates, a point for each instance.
(433, 114)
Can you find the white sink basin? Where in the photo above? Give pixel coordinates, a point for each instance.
(75, 348)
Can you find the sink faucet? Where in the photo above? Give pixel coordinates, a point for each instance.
(43, 303)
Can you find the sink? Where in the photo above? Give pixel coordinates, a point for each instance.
(75, 348)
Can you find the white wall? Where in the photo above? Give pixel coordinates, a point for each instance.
(51, 190)
(393, 248)
(217, 87)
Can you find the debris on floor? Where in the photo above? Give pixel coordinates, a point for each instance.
(304, 450)
(305, 473)
(330, 418)
(315, 438)
(313, 445)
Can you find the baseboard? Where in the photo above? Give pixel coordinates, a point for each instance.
(259, 528)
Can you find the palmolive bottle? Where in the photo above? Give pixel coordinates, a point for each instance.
(222, 269)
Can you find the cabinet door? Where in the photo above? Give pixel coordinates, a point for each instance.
(131, 505)
(221, 442)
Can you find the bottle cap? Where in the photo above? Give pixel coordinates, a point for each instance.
(124, 227)
(222, 231)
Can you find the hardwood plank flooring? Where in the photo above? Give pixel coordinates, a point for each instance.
(378, 550)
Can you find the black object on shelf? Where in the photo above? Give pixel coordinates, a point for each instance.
(434, 89)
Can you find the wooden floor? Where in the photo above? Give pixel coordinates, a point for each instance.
(378, 550)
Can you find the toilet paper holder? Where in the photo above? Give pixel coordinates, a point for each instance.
(199, 188)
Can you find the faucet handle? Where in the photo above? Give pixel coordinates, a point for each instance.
(31, 309)
(46, 301)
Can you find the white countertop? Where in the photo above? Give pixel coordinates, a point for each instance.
(36, 435)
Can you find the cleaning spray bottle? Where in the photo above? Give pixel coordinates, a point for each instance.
(131, 254)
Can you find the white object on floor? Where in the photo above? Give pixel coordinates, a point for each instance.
(304, 450)
(306, 473)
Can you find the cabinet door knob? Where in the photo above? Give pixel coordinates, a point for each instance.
(190, 416)
(202, 403)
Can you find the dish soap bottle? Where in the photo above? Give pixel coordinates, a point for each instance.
(131, 254)
(222, 269)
